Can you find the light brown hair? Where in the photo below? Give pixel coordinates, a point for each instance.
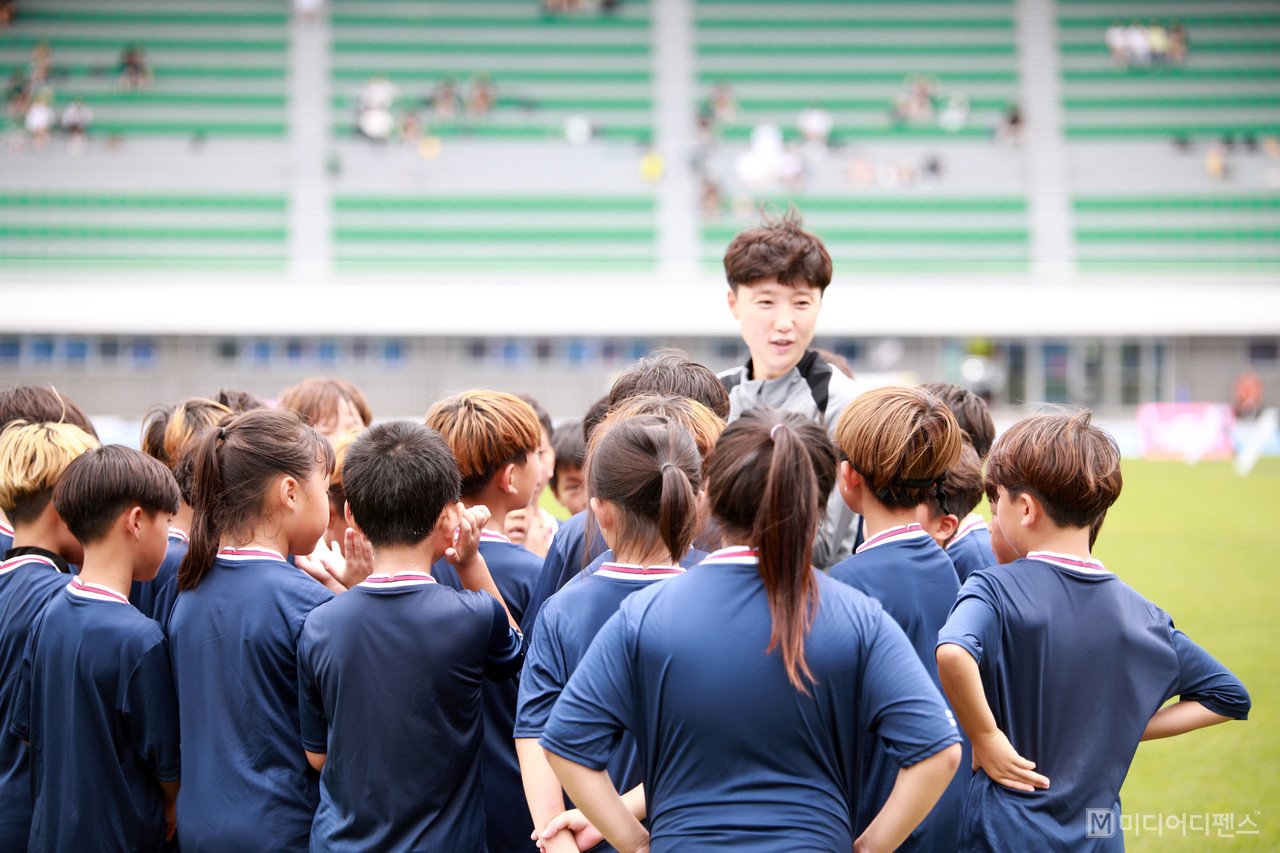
(1071, 466)
(702, 423)
(779, 249)
(963, 487)
(764, 486)
(318, 399)
(486, 430)
(901, 440)
(32, 458)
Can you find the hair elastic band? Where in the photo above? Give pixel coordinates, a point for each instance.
(222, 433)
(772, 431)
(665, 466)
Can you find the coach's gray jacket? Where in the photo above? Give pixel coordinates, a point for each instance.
(818, 391)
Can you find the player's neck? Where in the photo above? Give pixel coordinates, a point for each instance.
(404, 558)
(182, 518)
(1073, 541)
(497, 502)
(107, 564)
(880, 518)
(273, 538)
(644, 557)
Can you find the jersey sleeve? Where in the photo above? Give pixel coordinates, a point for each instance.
(588, 719)
(542, 679)
(505, 651)
(1201, 678)
(151, 707)
(974, 623)
(548, 579)
(313, 723)
(899, 700)
(20, 716)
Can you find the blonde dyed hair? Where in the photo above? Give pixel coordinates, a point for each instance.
(167, 433)
(486, 430)
(901, 440)
(32, 458)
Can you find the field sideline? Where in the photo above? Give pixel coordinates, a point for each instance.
(1203, 543)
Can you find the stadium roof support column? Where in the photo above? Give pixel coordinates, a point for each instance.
(1049, 205)
(310, 202)
(675, 121)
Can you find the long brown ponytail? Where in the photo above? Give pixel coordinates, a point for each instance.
(796, 463)
(650, 468)
(234, 466)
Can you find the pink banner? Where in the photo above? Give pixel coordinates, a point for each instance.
(1188, 431)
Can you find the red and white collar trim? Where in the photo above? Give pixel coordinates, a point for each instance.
(739, 554)
(1069, 561)
(6, 529)
(26, 560)
(409, 577)
(94, 592)
(245, 555)
(178, 536)
(627, 572)
(971, 523)
(492, 536)
(901, 533)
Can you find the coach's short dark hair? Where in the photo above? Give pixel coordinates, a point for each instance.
(778, 249)
(399, 477)
(104, 482)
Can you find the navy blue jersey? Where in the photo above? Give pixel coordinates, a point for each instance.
(389, 680)
(515, 570)
(246, 784)
(98, 705)
(734, 757)
(970, 549)
(577, 543)
(905, 570)
(1074, 663)
(569, 622)
(6, 537)
(29, 579)
(155, 598)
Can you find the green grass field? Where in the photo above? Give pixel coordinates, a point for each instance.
(1202, 543)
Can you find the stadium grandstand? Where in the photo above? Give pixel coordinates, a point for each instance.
(1071, 201)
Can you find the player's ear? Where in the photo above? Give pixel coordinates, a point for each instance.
(507, 478)
(1030, 510)
(603, 511)
(349, 518)
(947, 526)
(733, 303)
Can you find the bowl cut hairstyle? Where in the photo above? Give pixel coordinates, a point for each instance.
(104, 482)
(780, 250)
(399, 478)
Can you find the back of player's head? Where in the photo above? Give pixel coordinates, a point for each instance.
(544, 419)
(901, 440)
(970, 411)
(32, 458)
(320, 400)
(780, 250)
(671, 373)
(399, 477)
(963, 487)
(599, 409)
(768, 483)
(238, 401)
(234, 467)
(168, 432)
(650, 469)
(1071, 466)
(486, 430)
(104, 482)
(570, 448)
(703, 424)
(38, 404)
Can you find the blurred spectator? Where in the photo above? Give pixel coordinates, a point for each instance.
(1177, 43)
(41, 65)
(373, 110)
(307, 10)
(75, 124)
(135, 70)
(17, 96)
(8, 11)
(410, 127)
(1118, 43)
(767, 161)
(1248, 393)
(724, 107)
(39, 120)
(710, 200)
(815, 125)
(444, 100)
(915, 105)
(1215, 162)
(1139, 46)
(481, 98)
(1009, 130)
(1158, 39)
(954, 114)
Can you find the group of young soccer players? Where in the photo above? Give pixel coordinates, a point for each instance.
(287, 629)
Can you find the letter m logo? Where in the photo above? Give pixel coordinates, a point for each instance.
(1101, 823)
